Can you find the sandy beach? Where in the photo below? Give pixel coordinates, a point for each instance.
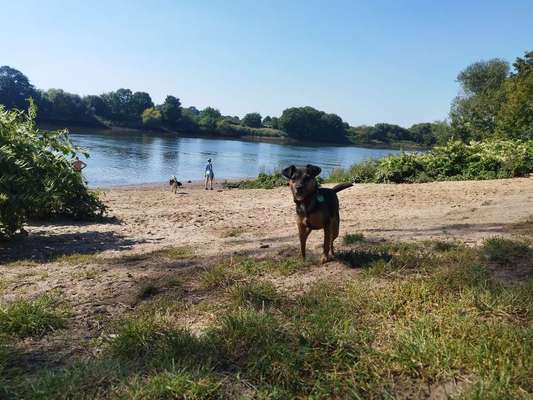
(223, 221)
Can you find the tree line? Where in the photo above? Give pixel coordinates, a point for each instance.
(494, 101)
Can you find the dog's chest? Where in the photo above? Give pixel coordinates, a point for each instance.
(316, 219)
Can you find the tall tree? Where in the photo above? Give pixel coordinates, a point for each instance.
(267, 121)
(171, 110)
(515, 118)
(96, 105)
(474, 112)
(151, 118)
(15, 88)
(253, 120)
(307, 123)
(209, 117)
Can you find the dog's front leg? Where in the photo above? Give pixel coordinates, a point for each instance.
(304, 232)
(327, 245)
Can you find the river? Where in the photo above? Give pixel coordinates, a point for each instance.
(132, 158)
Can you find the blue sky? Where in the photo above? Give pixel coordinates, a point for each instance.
(368, 61)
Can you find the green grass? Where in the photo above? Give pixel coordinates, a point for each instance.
(259, 295)
(22, 263)
(237, 269)
(78, 259)
(263, 181)
(502, 250)
(219, 276)
(180, 384)
(351, 238)
(277, 266)
(423, 315)
(24, 318)
(168, 253)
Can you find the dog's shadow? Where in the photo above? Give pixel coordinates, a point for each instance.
(357, 258)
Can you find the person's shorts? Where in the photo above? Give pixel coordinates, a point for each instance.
(209, 175)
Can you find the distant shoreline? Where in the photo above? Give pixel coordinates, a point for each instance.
(85, 129)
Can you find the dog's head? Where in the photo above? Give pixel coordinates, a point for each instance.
(172, 180)
(302, 181)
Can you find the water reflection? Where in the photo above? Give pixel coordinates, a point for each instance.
(125, 158)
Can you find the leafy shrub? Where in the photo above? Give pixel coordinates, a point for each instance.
(456, 160)
(36, 179)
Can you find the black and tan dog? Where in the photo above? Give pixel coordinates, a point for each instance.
(174, 184)
(316, 207)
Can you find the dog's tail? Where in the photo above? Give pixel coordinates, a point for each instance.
(341, 186)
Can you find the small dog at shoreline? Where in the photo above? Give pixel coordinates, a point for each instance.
(174, 184)
(316, 207)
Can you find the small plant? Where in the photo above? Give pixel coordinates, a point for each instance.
(25, 318)
(351, 238)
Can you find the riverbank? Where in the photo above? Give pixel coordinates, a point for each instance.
(279, 138)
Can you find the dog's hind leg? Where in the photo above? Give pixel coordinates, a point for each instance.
(304, 232)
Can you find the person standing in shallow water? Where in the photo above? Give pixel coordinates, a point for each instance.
(209, 174)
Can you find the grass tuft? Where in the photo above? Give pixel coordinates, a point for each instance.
(351, 238)
(219, 276)
(505, 251)
(24, 318)
(259, 295)
(172, 385)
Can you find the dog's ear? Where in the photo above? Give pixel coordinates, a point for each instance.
(313, 170)
(288, 172)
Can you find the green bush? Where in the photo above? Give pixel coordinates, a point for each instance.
(36, 178)
(491, 159)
